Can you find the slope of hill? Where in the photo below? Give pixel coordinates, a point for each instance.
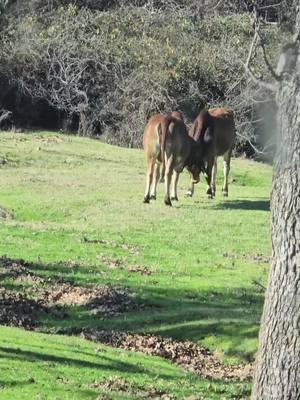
(80, 253)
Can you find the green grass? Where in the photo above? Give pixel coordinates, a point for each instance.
(35, 366)
(64, 192)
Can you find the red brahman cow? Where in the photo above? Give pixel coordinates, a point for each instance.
(214, 130)
(166, 141)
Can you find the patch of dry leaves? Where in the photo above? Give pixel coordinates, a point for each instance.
(116, 263)
(18, 308)
(187, 355)
(100, 299)
(258, 257)
(130, 248)
(119, 385)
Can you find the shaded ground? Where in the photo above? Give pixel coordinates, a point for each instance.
(247, 205)
(119, 385)
(37, 295)
(18, 310)
(186, 354)
(23, 307)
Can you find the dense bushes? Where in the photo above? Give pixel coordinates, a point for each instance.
(109, 70)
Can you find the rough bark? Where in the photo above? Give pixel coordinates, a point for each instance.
(277, 374)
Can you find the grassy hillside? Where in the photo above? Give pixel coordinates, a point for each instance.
(35, 366)
(72, 209)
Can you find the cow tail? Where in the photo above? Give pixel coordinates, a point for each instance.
(162, 131)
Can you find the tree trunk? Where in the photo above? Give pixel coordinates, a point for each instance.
(277, 373)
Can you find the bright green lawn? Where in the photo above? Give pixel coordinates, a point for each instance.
(62, 190)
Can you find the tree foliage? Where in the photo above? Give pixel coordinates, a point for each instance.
(109, 68)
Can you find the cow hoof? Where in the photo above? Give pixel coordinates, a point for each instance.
(168, 202)
(225, 194)
(147, 199)
(189, 194)
(174, 198)
(152, 197)
(209, 193)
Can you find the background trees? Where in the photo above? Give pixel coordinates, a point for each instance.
(103, 67)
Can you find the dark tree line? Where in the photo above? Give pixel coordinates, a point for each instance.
(101, 68)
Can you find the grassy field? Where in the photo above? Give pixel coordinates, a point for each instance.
(72, 209)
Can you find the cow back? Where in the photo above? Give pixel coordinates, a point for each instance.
(214, 129)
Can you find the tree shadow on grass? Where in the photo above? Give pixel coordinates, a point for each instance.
(250, 205)
(14, 383)
(229, 316)
(33, 356)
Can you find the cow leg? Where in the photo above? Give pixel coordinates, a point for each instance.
(209, 168)
(213, 178)
(168, 177)
(191, 188)
(149, 179)
(155, 181)
(175, 178)
(226, 169)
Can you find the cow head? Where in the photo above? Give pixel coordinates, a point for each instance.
(196, 163)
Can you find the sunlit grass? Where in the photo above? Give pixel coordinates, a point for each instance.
(61, 193)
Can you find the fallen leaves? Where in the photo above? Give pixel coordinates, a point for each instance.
(186, 354)
(18, 310)
(258, 257)
(119, 385)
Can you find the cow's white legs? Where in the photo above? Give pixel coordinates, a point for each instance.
(226, 169)
(168, 177)
(213, 178)
(191, 189)
(175, 178)
(155, 180)
(149, 179)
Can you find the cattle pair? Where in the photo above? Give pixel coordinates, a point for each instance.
(167, 144)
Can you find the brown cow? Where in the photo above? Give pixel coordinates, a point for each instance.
(214, 130)
(166, 141)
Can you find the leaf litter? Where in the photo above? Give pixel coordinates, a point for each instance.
(120, 385)
(20, 309)
(51, 295)
(187, 355)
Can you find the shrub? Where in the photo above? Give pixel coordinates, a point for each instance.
(111, 69)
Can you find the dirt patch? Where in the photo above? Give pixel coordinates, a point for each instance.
(18, 310)
(5, 213)
(186, 354)
(130, 248)
(114, 384)
(111, 262)
(116, 263)
(51, 139)
(258, 257)
(142, 269)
